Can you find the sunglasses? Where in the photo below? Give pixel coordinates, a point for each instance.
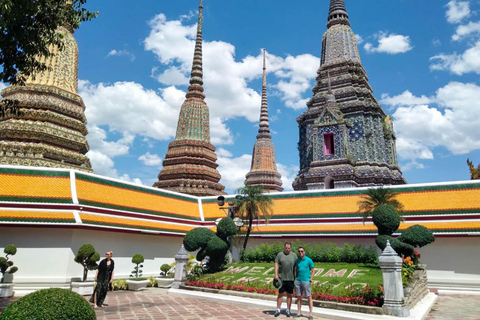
(301, 251)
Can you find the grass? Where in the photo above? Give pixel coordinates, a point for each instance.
(330, 278)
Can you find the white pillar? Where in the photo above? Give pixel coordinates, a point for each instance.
(391, 265)
(181, 259)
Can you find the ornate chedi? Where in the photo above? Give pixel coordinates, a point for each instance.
(190, 164)
(346, 139)
(263, 171)
(50, 129)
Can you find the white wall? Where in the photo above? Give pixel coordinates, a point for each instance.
(45, 255)
(459, 254)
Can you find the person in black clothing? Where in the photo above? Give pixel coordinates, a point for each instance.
(104, 278)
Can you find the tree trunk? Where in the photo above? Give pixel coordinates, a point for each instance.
(250, 222)
(85, 273)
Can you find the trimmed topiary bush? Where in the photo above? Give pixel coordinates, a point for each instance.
(87, 257)
(165, 268)
(417, 236)
(197, 238)
(6, 265)
(212, 246)
(137, 260)
(386, 219)
(50, 304)
(226, 228)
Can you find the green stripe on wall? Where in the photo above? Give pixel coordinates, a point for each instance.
(62, 174)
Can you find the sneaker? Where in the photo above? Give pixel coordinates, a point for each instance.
(288, 313)
(277, 313)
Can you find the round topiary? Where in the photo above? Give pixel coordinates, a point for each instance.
(417, 236)
(10, 250)
(226, 228)
(386, 218)
(165, 268)
(137, 259)
(197, 238)
(50, 304)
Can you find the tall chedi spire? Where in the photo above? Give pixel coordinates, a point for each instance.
(50, 129)
(190, 163)
(346, 139)
(263, 171)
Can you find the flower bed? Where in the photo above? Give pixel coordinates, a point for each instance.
(359, 296)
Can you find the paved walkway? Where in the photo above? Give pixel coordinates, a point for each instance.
(456, 307)
(157, 304)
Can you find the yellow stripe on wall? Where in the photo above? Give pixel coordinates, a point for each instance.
(133, 223)
(54, 215)
(34, 186)
(115, 196)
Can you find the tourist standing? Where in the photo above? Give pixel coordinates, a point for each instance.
(304, 270)
(103, 277)
(284, 270)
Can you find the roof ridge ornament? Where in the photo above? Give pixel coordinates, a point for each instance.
(338, 13)
(195, 90)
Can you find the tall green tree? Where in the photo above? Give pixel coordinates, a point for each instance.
(253, 204)
(375, 197)
(28, 28)
(474, 172)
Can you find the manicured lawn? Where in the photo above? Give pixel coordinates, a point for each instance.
(329, 277)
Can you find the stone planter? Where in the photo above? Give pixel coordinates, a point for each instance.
(164, 282)
(83, 288)
(137, 285)
(6, 290)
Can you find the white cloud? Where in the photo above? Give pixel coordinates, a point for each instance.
(226, 80)
(173, 76)
(453, 124)
(389, 43)
(404, 99)
(129, 110)
(233, 171)
(127, 178)
(466, 30)
(289, 173)
(121, 53)
(359, 39)
(152, 160)
(457, 11)
(459, 64)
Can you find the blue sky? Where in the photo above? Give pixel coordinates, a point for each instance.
(422, 58)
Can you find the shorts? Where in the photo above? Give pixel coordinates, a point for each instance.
(286, 286)
(303, 288)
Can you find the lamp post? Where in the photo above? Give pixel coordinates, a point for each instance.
(230, 210)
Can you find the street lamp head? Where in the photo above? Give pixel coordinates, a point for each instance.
(238, 222)
(221, 201)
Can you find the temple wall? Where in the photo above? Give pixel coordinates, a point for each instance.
(459, 254)
(45, 256)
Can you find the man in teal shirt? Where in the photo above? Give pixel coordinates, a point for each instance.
(304, 270)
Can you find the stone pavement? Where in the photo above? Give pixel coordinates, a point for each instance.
(456, 307)
(155, 303)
